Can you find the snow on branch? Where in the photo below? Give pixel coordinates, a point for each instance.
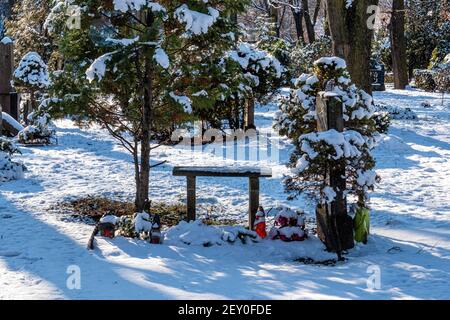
(161, 58)
(196, 22)
(182, 100)
(129, 5)
(98, 67)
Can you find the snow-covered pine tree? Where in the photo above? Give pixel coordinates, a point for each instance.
(135, 66)
(31, 77)
(315, 151)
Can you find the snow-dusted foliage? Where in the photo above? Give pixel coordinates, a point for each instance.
(303, 56)
(184, 101)
(395, 112)
(297, 119)
(256, 61)
(32, 72)
(245, 73)
(39, 130)
(9, 170)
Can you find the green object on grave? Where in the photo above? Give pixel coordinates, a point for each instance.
(361, 224)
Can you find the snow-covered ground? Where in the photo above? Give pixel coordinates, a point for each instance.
(409, 245)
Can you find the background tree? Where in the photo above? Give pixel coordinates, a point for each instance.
(352, 38)
(398, 44)
(426, 22)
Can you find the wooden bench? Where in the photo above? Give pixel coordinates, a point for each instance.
(252, 173)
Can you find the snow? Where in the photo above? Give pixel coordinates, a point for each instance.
(109, 219)
(6, 40)
(142, 222)
(339, 63)
(250, 57)
(11, 121)
(123, 42)
(161, 58)
(184, 101)
(329, 194)
(98, 67)
(32, 70)
(410, 222)
(196, 22)
(345, 143)
(129, 5)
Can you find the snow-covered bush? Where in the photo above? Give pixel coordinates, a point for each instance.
(442, 78)
(9, 170)
(424, 79)
(38, 131)
(32, 77)
(382, 121)
(396, 113)
(315, 151)
(32, 72)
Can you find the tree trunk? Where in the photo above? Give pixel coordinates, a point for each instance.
(398, 44)
(298, 17)
(274, 14)
(352, 37)
(142, 183)
(316, 11)
(308, 23)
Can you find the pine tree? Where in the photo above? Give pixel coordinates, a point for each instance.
(315, 151)
(137, 67)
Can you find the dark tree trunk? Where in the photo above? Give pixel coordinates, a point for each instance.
(398, 44)
(316, 11)
(308, 23)
(143, 179)
(352, 38)
(298, 17)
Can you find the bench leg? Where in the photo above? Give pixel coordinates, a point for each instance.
(253, 189)
(190, 198)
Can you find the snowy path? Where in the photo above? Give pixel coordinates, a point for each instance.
(411, 212)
